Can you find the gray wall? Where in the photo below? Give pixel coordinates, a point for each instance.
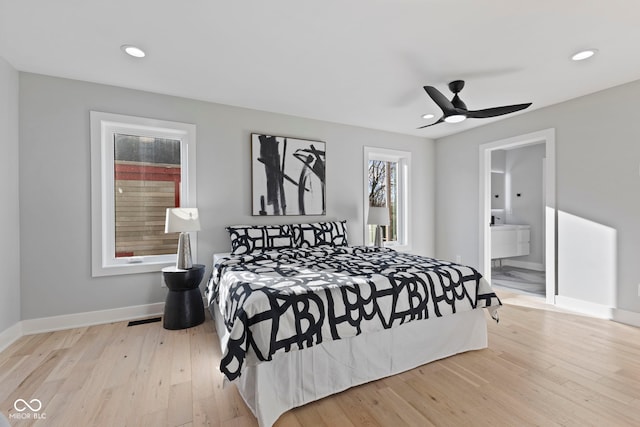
(597, 192)
(55, 185)
(9, 205)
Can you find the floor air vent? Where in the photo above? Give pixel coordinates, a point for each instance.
(143, 321)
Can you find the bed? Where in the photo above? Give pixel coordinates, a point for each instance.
(302, 315)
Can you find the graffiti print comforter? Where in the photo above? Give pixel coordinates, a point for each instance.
(291, 299)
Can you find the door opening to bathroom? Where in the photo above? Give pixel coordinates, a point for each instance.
(517, 213)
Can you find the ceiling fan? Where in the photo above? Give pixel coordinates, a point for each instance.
(455, 111)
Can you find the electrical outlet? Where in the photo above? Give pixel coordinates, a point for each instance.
(639, 290)
(458, 259)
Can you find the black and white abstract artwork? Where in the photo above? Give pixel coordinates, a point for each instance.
(288, 176)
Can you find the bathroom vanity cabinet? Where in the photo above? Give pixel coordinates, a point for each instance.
(508, 240)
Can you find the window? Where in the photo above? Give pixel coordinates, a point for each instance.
(139, 168)
(386, 185)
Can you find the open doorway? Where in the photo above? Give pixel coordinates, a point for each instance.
(546, 139)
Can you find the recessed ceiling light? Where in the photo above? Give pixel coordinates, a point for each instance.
(134, 51)
(583, 54)
(428, 116)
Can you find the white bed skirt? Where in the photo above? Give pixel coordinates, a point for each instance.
(299, 377)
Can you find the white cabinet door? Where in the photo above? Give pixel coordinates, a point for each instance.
(523, 242)
(503, 243)
(511, 240)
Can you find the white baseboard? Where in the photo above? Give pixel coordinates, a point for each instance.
(536, 266)
(10, 335)
(585, 307)
(78, 320)
(598, 310)
(627, 317)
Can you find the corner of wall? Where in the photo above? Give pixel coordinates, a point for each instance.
(10, 335)
(10, 302)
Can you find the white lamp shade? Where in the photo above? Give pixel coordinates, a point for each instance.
(182, 219)
(378, 216)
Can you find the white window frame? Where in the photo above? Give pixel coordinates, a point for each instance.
(103, 128)
(403, 158)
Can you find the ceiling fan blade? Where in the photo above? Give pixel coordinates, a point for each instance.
(445, 105)
(434, 123)
(497, 111)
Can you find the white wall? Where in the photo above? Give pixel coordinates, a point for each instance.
(9, 205)
(597, 190)
(55, 185)
(498, 195)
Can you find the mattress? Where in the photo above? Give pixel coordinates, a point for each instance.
(292, 299)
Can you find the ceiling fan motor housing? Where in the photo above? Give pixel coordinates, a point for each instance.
(456, 86)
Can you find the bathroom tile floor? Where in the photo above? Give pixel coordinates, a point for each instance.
(517, 279)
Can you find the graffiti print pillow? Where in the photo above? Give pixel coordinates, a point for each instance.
(250, 238)
(319, 234)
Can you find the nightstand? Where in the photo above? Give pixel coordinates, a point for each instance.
(183, 307)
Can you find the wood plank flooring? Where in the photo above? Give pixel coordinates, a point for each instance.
(542, 367)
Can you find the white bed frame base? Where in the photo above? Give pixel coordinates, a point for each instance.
(298, 377)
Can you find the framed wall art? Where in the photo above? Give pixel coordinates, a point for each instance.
(288, 176)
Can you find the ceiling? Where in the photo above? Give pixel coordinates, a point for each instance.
(358, 62)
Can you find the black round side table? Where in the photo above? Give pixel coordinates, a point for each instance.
(183, 307)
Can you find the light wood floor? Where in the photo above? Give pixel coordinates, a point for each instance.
(542, 368)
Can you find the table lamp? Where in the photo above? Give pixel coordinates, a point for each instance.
(378, 216)
(182, 220)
